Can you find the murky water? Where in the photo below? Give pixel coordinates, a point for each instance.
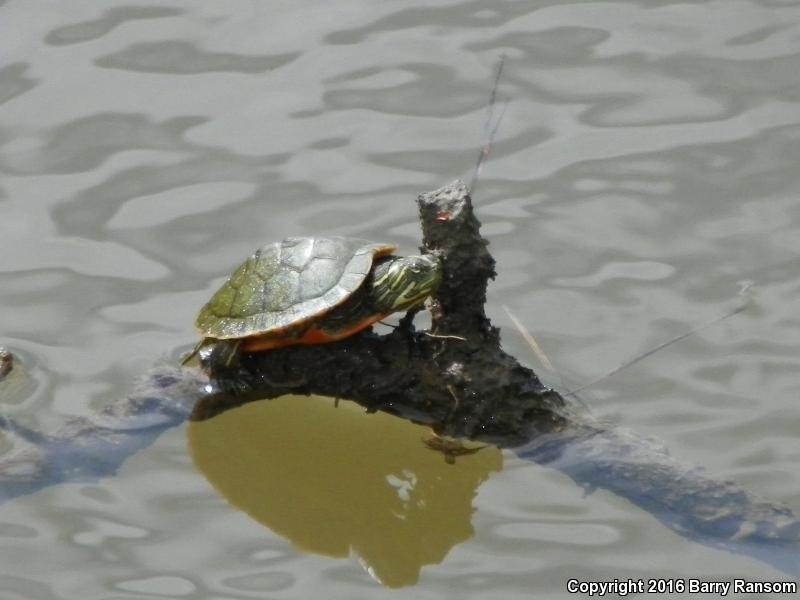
(646, 166)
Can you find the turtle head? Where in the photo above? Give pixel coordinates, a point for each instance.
(403, 282)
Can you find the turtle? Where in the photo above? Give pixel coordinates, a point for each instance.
(312, 290)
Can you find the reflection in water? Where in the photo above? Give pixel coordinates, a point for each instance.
(336, 479)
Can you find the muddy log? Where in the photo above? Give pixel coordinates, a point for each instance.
(454, 377)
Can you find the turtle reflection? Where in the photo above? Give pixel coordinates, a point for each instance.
(336, 481)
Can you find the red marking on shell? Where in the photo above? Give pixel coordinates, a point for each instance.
(310, 337)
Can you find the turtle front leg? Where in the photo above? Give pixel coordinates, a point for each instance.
(406, 324)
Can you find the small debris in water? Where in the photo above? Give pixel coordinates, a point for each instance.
(450, 447)
(6, 362)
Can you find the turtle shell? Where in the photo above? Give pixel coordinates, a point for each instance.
(286, 284)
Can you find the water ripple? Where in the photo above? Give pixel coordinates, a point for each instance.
(185, 58)
(112, 18)
(85, 143)
(14, 81)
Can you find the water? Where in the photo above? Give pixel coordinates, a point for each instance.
(645, 166)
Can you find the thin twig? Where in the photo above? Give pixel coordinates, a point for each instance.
(490, 126)
(438, 336)
(528, 337)
(540, 353)
(661, 346)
